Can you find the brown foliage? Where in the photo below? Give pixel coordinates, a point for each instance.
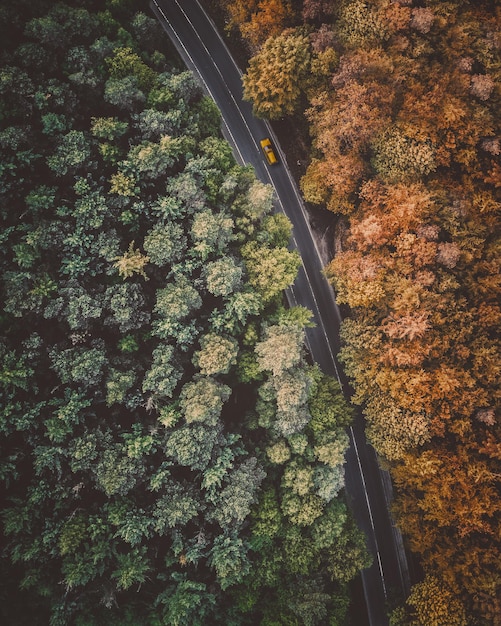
(315, 9)
(257, 20)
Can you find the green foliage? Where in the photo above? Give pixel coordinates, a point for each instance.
(72, 534)
(152, 159)
(132, 568)
(281, 348)
(211, 232)
(229, 558)
(279, 452)
(141, 485)
(68, 412)
(81, 366)
(71, 153)
(108, 128)
(117, 385)
(115, 473)
(216, 355)
(124, 93)
(234, 502)
(270, 270)
(53, 123)
(161, 379)
(177, 300)
(126, 303)
(223, 276)
(175, 509)
(276, 230)
(191, 445)
(165, 243)
(61, 25)
(125, 62)
(202, 400)
(185, 602)
(327, 407)
(302, 510)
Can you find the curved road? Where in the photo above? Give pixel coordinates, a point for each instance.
(368, 489)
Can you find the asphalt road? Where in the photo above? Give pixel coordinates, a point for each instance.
(368, 489)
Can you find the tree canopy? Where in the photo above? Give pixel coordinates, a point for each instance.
(141, 410)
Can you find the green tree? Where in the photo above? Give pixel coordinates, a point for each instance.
(229, 558)
(61, 25)
(124, 93)
(15, 87)
(71, 153)
(68, 412)
(348, 555)
(216, 355)
(117, 386)
(127, 304)
(329, 410)
(79, 365)
(310, 602)
(165, 243)
(223, 276)
(202, 400)
(276, 230)
(152, 160)
(155, 124)
(115, 472)
(211, 232)
(108, 128)
(174, 303)
(252, 206)
(270, 270)
(125, 62)
(192, 445)
(240, 307)
(81, 309)
(302, 510)
(234, 501)
(185, 601)
(175, 508)
(161, 379)
(132, 568)
(54, 123)
(281, 348)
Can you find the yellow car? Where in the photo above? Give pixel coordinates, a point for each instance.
(269, 153)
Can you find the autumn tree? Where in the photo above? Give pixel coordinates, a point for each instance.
(406, 164)
(258, 20)
(275, 76)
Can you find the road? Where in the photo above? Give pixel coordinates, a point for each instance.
(204, 52)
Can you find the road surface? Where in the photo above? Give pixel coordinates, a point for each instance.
(204, 52)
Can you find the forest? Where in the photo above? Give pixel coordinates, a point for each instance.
(400, 100)
(169, 454)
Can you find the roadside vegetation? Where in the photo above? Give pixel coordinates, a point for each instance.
(402, 99)
(168, 453)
